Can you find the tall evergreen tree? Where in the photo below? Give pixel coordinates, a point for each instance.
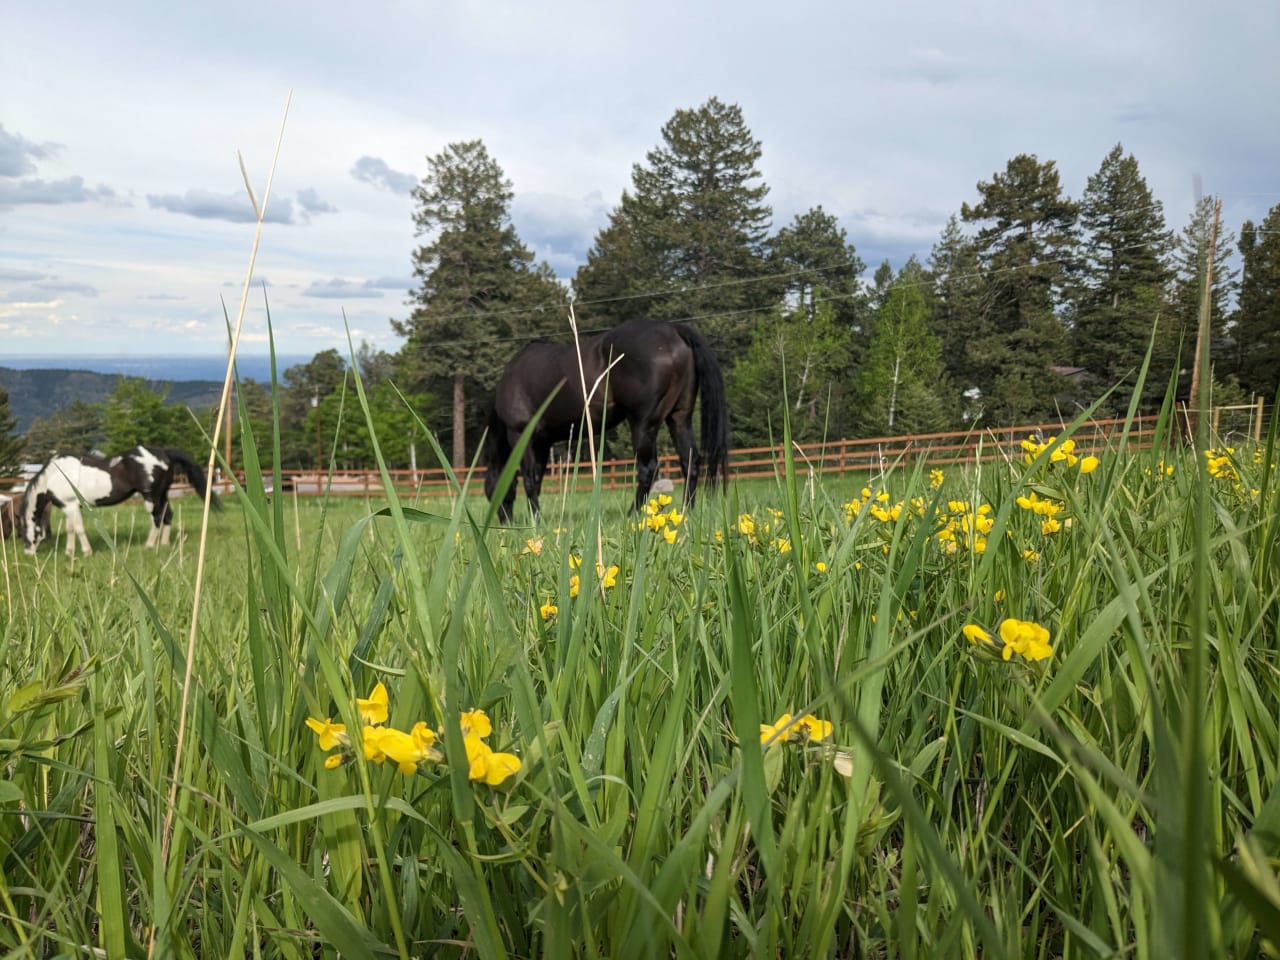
(479, 292)
(1027, 245)
(900, 379)
(11, 444)
(816, 262)
(1124, 270)
(1257, 322)
(688, 240)
(1190, 256)
(621, 279)
(75, 428)
(959, 315)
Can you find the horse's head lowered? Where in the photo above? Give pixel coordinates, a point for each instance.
(30, 521)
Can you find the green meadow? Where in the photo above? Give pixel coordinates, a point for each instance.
(1027, 708)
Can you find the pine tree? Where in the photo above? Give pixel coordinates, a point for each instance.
(620, 279)
(1124, 271)
(479, 292)
(1257, 318)
(898, 384)
(691, 233)
(816, 262)
(959, 315)
(1027, 246)
(11, 444)
(76, 428)
(1176, 342)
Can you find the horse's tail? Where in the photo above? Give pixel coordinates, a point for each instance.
(715, 410)
(194, 472)
(497, 451)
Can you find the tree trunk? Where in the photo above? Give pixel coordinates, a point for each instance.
(459, 423)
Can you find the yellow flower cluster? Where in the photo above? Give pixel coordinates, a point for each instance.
(875, 504)
(936, 479)
(1048, 510)
(756, 530)
(1026, 638)
(792, 729)
(663, 522)
(962, 527)
(1219, 464)
(409, 749)
(1065, 453)
(608, 575)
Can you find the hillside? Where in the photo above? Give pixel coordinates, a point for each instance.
(39, 393)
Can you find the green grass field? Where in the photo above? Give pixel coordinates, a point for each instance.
(1088, 770)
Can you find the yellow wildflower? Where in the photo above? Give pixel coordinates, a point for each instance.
(374, 709)
(486, 766)
(820, 567)
(548, 610)
(975, 635)
(1089, 464)
(533, 545)
(669, 534)
(609, 577)
(406, 750)
(935, 479)
(1026, 638)
(769, 731)
(373, 743)
(329, 733)
(792, 729)
(475, 723)
(573, 585)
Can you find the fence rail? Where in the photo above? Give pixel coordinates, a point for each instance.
(828, 458)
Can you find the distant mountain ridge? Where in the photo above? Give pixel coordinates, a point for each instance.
(40, 393)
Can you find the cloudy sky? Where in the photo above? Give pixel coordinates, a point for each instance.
(125, 226)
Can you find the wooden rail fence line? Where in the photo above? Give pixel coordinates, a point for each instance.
(829, 458)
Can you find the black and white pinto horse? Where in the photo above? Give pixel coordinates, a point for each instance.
(68, 481)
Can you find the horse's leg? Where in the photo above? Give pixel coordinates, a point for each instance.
(687, 449)
(165, 519)
(532, 466)
(507, 507)
(75, 529)
(645, 438)
(153, 535)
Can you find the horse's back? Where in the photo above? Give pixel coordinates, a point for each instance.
(652, 366)
(529, 378)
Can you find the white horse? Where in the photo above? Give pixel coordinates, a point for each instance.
(68, 481)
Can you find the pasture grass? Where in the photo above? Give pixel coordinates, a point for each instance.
(963, 804)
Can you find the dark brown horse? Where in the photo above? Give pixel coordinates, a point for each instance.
(658, 372)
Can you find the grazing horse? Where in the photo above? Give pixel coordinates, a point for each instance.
(68, 481)
(645, 372)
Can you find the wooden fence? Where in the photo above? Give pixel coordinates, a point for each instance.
(833, 458)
